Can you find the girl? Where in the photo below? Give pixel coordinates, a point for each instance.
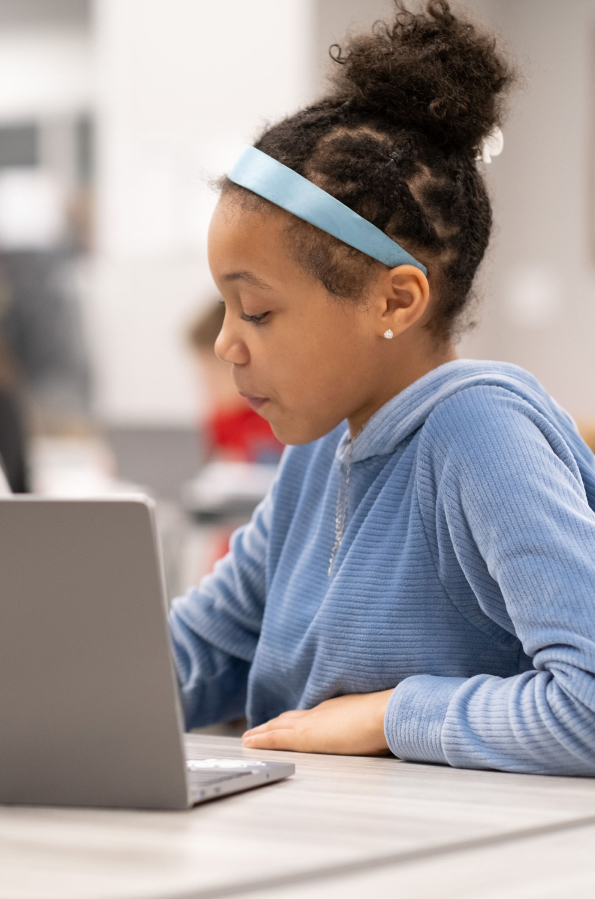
(421, 578)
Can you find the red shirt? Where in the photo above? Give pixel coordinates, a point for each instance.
(243, 433)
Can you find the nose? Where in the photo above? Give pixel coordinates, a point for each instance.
(229, 347)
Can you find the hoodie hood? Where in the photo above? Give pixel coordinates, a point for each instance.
(408, 410)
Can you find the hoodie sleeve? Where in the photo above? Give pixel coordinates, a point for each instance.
(215, 627)
(501, 493)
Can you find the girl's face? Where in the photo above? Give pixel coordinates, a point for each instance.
(304, 359)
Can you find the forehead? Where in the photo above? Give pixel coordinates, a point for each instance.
(249, 235)
(237, 218)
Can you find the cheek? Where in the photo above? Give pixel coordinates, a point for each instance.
(304, 365)
(315, 386)
(319, 375)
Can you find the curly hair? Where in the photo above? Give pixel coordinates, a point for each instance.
(397, 140)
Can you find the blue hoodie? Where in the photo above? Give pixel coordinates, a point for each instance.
(465, 580)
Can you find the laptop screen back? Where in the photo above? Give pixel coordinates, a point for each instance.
(88, 708)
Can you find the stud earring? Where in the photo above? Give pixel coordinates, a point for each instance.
(389, 334)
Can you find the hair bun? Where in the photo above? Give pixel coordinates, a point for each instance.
(431, 72)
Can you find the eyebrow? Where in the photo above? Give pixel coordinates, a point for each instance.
(248, 277)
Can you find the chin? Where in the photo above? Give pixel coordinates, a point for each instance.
(296, 434)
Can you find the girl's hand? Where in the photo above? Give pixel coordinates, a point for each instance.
(347, 725)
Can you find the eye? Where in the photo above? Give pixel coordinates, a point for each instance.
(255, 319)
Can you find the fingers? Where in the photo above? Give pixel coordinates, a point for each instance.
(276, 722)
(272, 739)
(278, 733)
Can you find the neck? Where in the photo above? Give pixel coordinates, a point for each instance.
(410, 371)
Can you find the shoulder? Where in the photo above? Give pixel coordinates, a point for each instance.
(489, 432)
(480, 412)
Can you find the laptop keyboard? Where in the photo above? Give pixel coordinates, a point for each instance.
(202, 772)
(204, 778)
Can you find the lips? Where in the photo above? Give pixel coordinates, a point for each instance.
(255, 402)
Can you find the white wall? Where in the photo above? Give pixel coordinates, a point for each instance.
(44, 59)
(540, 311)
(182, 84)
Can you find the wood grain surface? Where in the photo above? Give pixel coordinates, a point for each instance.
(552, 866)
(337, 816)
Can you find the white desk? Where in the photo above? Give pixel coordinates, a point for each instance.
(341, 826)
(555, 866)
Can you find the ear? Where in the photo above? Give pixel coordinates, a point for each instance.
(406, 297)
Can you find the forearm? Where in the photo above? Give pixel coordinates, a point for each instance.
(527, 723)
(512, 517)
(212, 683)
(215, 627)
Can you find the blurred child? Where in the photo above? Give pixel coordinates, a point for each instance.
(233, 431)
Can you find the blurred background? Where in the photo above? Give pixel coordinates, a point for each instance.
(114, 115)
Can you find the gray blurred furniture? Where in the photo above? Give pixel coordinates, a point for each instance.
(341, 827)
(43, 331)
(12, 442)
(160, 458)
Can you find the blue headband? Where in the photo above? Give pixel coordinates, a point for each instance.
(272, 180)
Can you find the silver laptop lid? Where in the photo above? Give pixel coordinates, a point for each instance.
(89, 711)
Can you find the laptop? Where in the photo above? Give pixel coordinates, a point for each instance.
(89, 707)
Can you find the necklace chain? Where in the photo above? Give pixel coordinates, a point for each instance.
(342, 502)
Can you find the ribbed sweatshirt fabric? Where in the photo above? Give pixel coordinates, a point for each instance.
(464, 581)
